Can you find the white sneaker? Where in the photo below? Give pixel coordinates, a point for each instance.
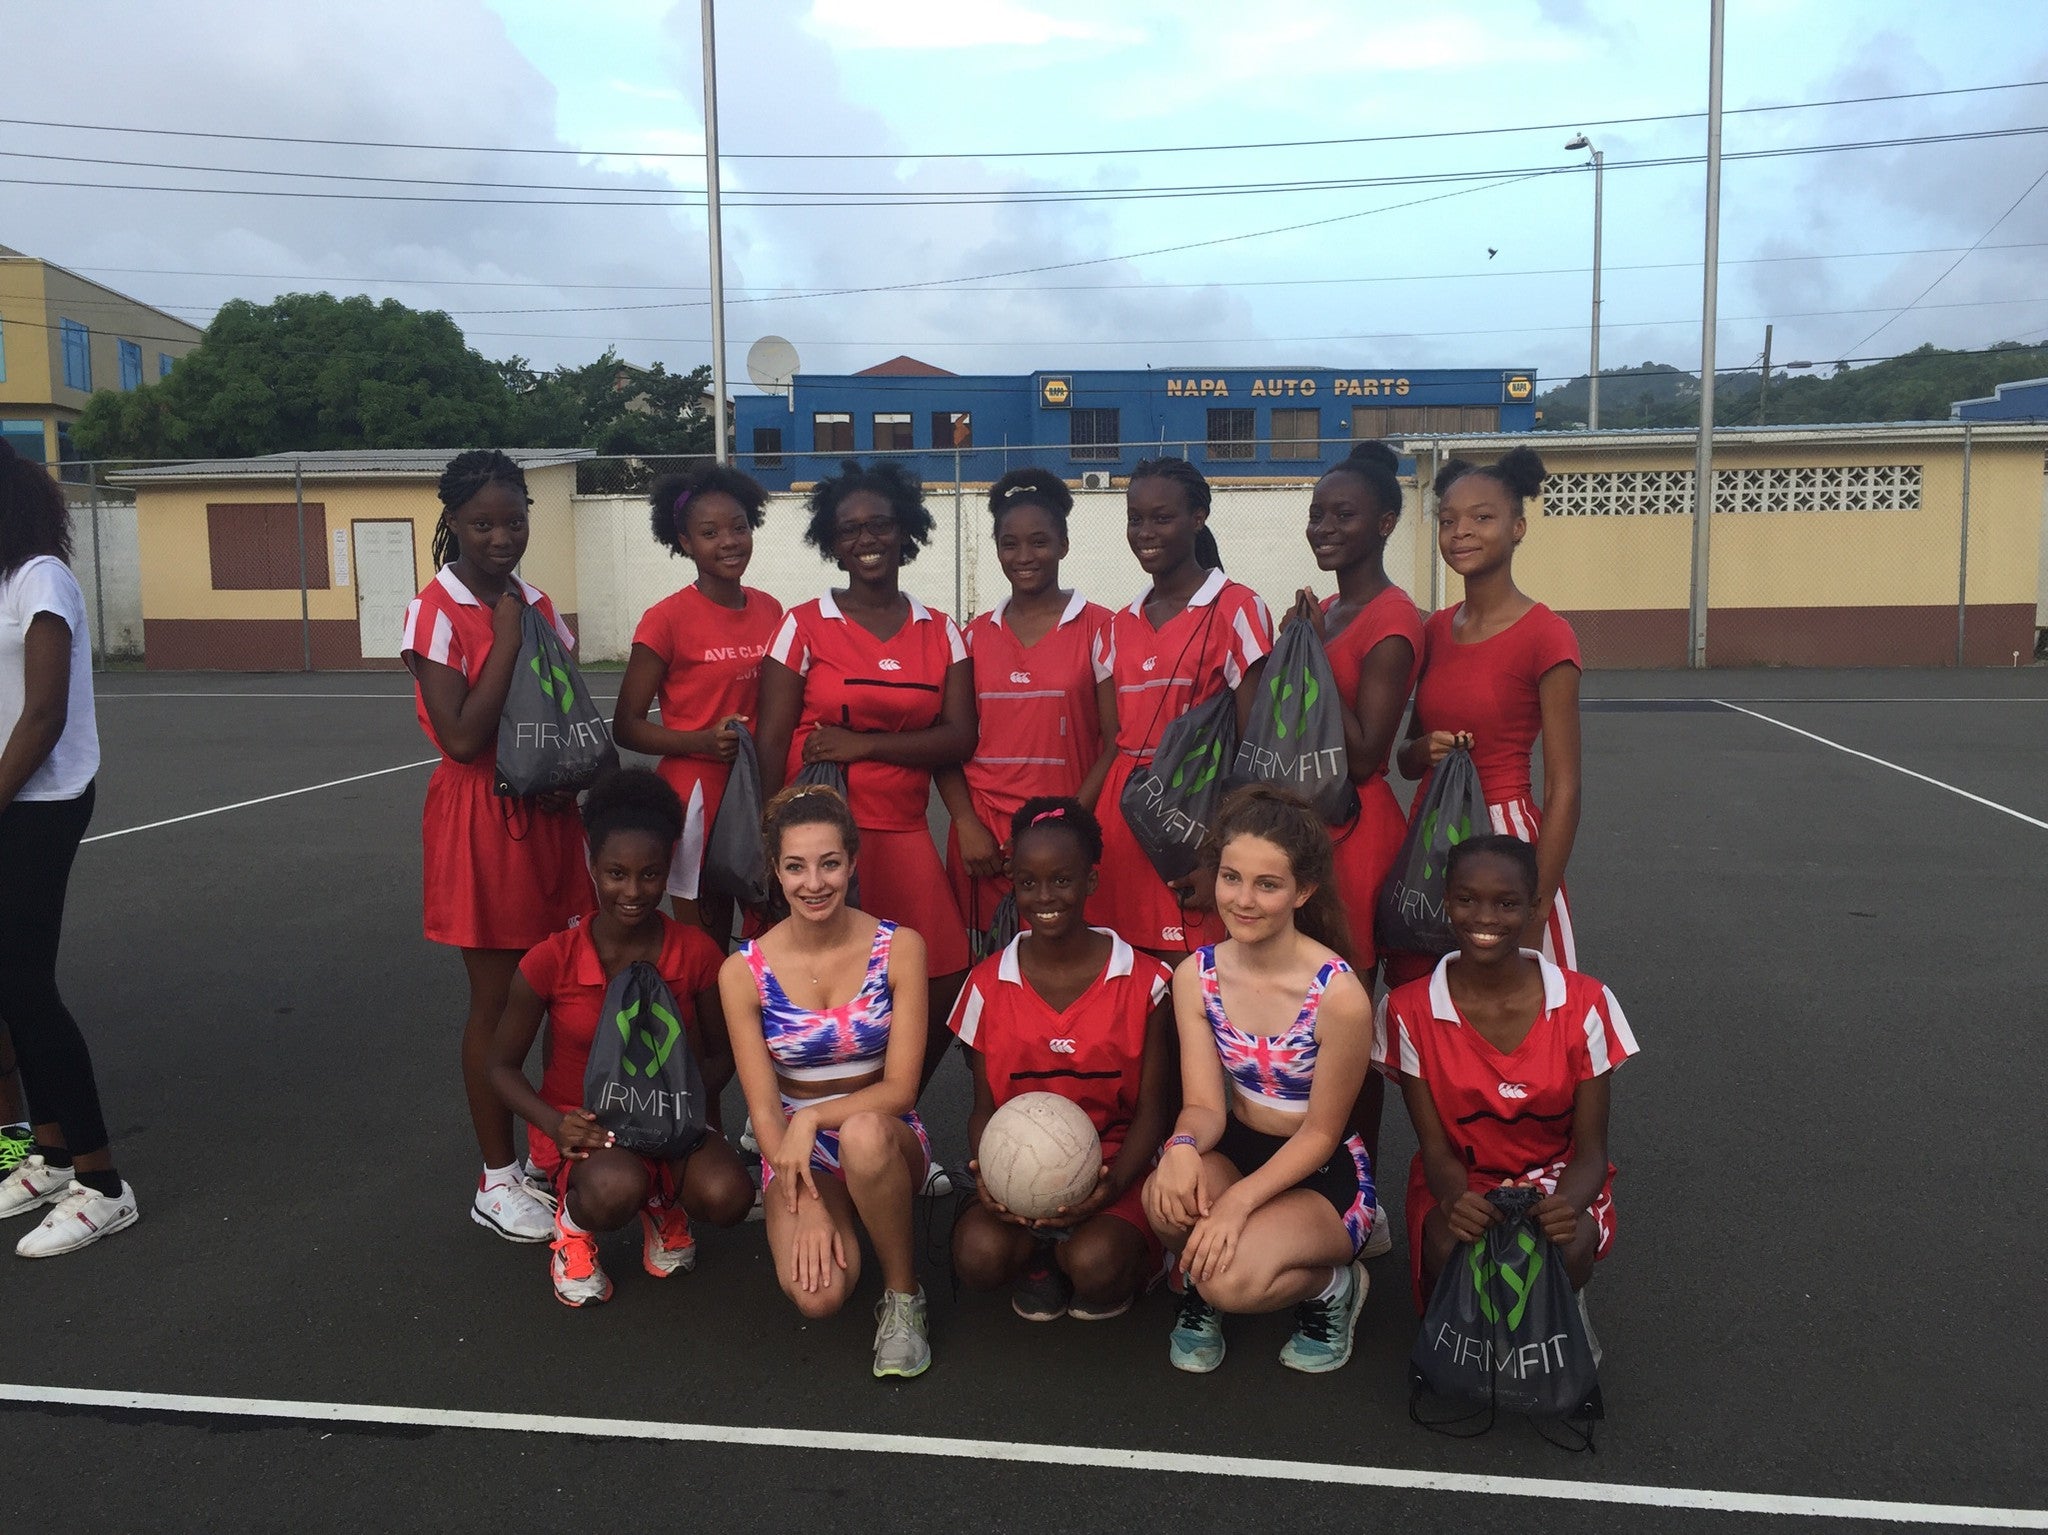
(747, 1142)
(538, 1183)
(1380, 1240)
(936, 1184)
(580, 1280)
(80, 1216)
(510, 1210)
(33, 1183)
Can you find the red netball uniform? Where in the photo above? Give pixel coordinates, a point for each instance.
(713, 656)
(1365, 850)
(499, 873)
(1040, 729)
(566, 974)
(1160, 674)
(1489, 687)
(1092, 1053)
(1509, 1117)
(853, 679)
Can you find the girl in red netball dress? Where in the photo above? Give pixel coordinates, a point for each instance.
(1504, 1061)
(1192, 632)
(869, 677)
(1498, 670)
(1047, 716)
(699, 652)
(633, 820)
(1074, 1010)
(500, 874)
(1374, 638)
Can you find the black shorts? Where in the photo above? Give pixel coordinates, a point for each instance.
(1345, 1180)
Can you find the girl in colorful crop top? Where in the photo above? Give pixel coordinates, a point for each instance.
(1264, 1199)
(826, 1011)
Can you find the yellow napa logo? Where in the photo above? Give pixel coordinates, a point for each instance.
(1056, 392)
(1520, 386)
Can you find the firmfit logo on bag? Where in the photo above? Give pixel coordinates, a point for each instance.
(554, 682)
(1539, 1356)
(1260, 762)
(655, 1102)
(657, 1050)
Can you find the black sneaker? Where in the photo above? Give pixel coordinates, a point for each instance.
(1042, 1292)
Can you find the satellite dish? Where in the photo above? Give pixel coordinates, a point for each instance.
(772, 364)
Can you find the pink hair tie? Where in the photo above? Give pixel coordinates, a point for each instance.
(1057, 813)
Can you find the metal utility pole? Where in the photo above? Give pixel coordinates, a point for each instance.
(1593, 368)
(1763, 388)
(718, 444)
(1703, 464)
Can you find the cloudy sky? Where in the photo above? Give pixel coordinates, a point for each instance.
(966, 252)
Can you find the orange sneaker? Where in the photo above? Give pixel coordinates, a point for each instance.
(666, 1246)
(580, 1280)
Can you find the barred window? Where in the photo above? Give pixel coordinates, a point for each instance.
(1807, 488)
(1233, 433)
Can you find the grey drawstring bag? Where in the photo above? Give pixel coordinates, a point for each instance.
(642, 1081)
(1410, 918)
(1169, 803)
(552, 737)
(735, 857)
(1295, 737)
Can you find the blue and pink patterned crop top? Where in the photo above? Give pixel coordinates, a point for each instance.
(1273, 1069)
(828, 1044)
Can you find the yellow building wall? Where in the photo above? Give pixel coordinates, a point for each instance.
(1795, 558)
(23, 325)
(112, 318)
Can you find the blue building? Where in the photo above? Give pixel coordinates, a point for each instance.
(1251, 423)
(2023, 400)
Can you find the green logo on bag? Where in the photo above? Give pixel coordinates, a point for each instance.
(1454, 832)
(1198, 768)
(551, 679)
(1485, 1270)
(1282, 690)
(657, 1050)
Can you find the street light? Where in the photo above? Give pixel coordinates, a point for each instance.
(1593, 382)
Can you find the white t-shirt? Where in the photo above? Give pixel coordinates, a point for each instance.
(45, 585)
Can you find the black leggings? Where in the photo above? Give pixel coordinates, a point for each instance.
(38, 841)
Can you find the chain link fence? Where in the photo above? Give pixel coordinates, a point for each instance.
(1835, 549)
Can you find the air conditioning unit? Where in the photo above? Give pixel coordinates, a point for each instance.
(1095, 479)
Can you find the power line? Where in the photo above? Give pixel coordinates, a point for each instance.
(767, 295)
(1008, 154)
(1965, 256)
(665, 197)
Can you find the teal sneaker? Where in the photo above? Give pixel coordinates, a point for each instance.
(1196, 1344)
(14, 1150)
(1323, 1328)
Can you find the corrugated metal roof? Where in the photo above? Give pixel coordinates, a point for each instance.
(392, 463)
(1686, 437)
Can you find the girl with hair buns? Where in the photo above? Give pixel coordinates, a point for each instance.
(1498, 670)
(500, 875)
(1189, 635)
(1260, 1194)
(826, 1013)
(699, 653)
(1046, 712)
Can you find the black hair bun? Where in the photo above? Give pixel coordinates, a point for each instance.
(1375, 455)
(1521, 470)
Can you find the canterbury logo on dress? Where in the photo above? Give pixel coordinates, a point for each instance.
(1172, 935)
(888, 665)
(1022, 678)
(1151, 662)
(1513, 1090)
(1061, 1047)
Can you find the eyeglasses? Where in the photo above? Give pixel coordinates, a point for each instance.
(883, 529)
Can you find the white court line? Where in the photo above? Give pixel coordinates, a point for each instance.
(1694, 698)
(103, 697)
(1989, 804)
(264, 799)
(1155, 1461)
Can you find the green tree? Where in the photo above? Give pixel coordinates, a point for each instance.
(309, 371)
(612, 407)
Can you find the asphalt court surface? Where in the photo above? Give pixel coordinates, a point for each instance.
(1824, 1281)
